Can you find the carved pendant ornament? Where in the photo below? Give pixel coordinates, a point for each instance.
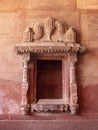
(49, 39)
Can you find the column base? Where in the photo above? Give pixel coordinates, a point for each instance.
(25, 110)
(73, 109)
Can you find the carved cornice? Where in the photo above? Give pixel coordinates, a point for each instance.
(58, 48)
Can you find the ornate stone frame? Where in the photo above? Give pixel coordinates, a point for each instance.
(63, 48)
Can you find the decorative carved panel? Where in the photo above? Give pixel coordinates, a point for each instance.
(47, 40)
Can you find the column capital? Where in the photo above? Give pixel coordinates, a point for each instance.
(26, 56)
(72, 57)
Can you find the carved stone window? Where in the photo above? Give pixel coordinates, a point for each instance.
(49, 53)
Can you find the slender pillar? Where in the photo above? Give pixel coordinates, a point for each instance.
(73, 84)
(33, 76)
(24, 107)
(65, 79)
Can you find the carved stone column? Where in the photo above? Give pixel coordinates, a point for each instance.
(33, 75)
(65, 80)
(24, 107)
(73, 84)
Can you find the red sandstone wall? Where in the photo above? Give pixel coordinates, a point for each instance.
(16, 14)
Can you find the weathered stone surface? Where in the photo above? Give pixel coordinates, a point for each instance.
(87, 78)
(11, 23)
(12, 5)
(10, 64)
(50, 5)
(10, 94)
(71, 18)
(88, 98)
(87, 65)
(43, 5)
(9, 40)
(11, 28)
(89, 26)
(15, 15)
(83, 124)
(10, 86)
(87, 4)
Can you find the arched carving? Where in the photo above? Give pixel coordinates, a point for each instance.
(47, 28)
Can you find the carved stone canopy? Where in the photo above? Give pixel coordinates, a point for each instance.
(50, 36)
(50, 39)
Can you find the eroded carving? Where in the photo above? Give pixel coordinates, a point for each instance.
(28, 35)
(73, 84)
(38, 30)
(60, 30)
(49, 108)
(25, 84)
(70, 36)
(47, 28)
(64, 47)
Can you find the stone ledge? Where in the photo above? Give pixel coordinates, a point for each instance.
(50, 116)
(54, 124)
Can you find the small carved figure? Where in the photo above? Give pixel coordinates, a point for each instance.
(28, 35)
(70, 36)
(60, 30)
(49, 27)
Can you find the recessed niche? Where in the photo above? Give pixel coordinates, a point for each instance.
(49, 56)
(49, 79)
